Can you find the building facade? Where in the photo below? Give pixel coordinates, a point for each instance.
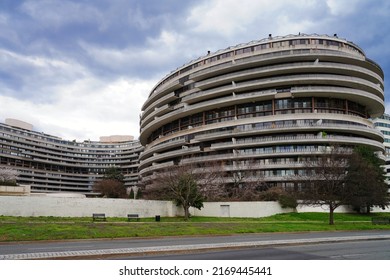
(50, 164)
(261, 107)
(383, 124)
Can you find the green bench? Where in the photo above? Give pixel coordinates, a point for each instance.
(132, 216)
(380, 221)
(98, 217)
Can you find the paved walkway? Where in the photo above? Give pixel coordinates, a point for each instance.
(177, 248)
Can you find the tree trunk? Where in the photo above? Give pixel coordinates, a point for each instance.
(331, 215)
(186, 212)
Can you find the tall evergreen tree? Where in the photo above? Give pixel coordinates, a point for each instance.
(366, 179)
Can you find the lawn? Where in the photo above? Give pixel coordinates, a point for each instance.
(55, 228)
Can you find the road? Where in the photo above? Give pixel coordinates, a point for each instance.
(275, 243)
(350, 250)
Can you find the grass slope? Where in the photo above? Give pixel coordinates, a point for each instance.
(55, 228)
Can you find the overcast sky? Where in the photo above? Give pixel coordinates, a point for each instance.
(82, 69)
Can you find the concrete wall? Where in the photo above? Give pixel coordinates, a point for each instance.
(15, 190)
(28, 206)
(240, 209)
(340, 209)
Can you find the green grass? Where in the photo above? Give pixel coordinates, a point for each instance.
(55, 228)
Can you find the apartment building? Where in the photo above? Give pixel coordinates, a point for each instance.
(261, 107)
(382, 123)
(50, 164)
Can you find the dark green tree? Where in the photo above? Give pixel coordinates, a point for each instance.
(113, 173)
(366, 180)
(131, 195)
(139, 194)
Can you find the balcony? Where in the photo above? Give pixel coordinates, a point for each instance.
(251, 155)
(359, 129)
(169, 155)
(160, 102)
(155, 167)
(289, 68)
(161, 147)
(168, 87)
(290, 140)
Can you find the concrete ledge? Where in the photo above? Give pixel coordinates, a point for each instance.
(15, 190)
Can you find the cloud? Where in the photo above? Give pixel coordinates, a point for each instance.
(60, 13)
(228, 18)
(157, 55)
(343, 7)
(86, 107)
(33, 76)
(81, 70)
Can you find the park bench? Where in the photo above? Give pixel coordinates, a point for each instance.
(380, 220)
(132, 216)
(98, 217)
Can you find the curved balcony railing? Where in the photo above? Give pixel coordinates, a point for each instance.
(287, 127)
(275, 140)
(286, 81)
(155, 167)
(161, 147)
(290, 68)
(168, 155)
(158, 103)
(272, 54)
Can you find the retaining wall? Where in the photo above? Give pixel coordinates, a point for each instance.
(28, 206)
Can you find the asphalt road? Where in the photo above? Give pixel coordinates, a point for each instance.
(350, 250)
(137, 246)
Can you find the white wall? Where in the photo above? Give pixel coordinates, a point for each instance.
(340, 209)
(84, 207)
(240, 209)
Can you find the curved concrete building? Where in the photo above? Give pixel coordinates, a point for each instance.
(49, 164)
(262, 106)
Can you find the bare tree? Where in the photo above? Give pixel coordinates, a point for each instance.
(112, 185)
(247, 182)
(322, 182)
(211, 180)
(179, 183)
(8, 176)
(110, 188)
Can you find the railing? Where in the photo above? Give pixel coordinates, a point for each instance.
(245, 155)
(281, 51)
(175, 153)
(242, 85)
(156, 167)
(287, 66)
(163, 146)
(238, 131)
(289, 139)
(166, 98)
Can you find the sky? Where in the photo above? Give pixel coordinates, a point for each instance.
(80, 69)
